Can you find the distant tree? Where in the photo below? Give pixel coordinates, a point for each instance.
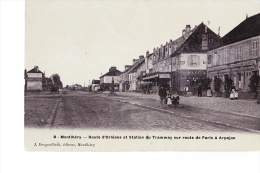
(67, 86)
(55, 78)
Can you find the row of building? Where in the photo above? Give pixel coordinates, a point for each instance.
(36, 80)
(197, 54)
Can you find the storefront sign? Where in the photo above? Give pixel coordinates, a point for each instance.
(150, 77)
(164, 76)
(230, 66)
(34, 79)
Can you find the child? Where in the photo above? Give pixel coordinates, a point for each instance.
(169, 99)
(175, 99)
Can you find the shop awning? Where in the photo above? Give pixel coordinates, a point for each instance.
(158, 75)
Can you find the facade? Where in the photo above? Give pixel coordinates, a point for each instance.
(95, 85)
(238, 57)
(133, 74)
(77, 87)
(189, 63)
(34, 79)
(124, 79)
(106, 79)
(178, 64)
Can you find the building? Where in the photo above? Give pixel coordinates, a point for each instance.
(34, 79)
(76, 87)
(95, 85)
(106, 79)
(238, 56)
(180, 63)
(142, 75)
(46, 83)
(189, 60)
(133, 73)
(124, 78)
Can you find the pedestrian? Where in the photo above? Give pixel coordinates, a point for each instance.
(199, 91)
(163, 94)
(233, 93)
(209, 92)
(175, 99)
(169, 99)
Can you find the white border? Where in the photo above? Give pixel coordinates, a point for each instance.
(15, 159)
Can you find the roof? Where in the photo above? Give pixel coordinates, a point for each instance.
(250, 27)
(34, 70)
(150, 55)
(193, 44)
(95, 81)
(114, 72)
(136, 65)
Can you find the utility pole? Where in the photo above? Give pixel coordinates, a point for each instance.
(112, 93)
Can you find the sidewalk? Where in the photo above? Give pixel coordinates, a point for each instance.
(241, 107)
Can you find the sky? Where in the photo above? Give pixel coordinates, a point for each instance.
(82, 39)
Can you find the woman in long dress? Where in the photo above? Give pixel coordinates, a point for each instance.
(209, 94)
(169, 99)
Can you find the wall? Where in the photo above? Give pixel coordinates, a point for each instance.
(192, 61)
(34, 81)
(240, 68)
(162, 65)
(108, 79)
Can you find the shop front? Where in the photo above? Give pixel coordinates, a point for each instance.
(152, 82)
(237, 74)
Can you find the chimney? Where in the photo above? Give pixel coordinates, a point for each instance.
(141, 56)
(204, 44)
(188, 28)
(147, 53)
(127, 67)
(134, 61)
(112, 68)
(206, 28)
(183, 32)
(36, 67)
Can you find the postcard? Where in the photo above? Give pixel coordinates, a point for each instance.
(142, 75)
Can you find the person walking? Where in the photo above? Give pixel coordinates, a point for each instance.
(199, 91)
(163, 94)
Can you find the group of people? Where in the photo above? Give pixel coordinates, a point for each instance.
(168, 99)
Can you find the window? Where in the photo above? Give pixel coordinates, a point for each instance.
(193, 60)
(239, 52)
(226, 54)
(209, 59)
(240, 81)
(255, 49)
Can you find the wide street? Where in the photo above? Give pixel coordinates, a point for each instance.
(136, 111)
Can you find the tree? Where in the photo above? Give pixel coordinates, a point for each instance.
(217, 84)
(228, 84)
(254, 81)
(55, 78)
(205, 82)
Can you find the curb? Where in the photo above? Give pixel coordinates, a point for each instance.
(170, 112)
(240, 114)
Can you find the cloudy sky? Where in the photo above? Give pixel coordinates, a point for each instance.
(79, 39)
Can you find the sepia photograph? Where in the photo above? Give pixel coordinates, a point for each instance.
(142, 75)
